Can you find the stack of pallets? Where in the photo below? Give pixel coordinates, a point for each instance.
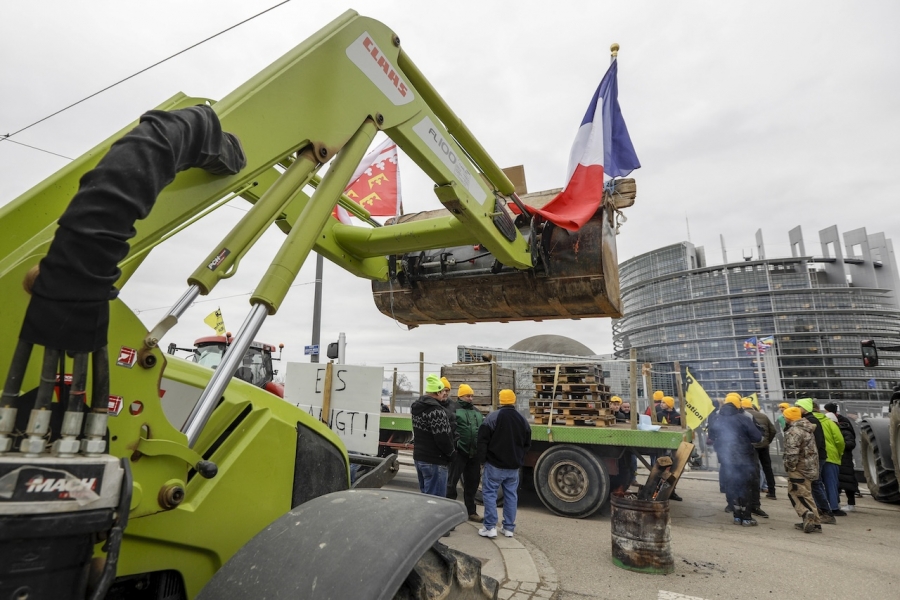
(579, 397)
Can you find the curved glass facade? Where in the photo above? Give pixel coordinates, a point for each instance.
(678, 309)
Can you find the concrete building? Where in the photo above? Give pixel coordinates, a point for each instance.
(815, 309)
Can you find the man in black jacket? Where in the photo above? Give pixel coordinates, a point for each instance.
(503, 440)
(432, 438)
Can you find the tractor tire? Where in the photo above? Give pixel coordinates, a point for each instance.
(878, 465)
(895, 438)
(447, 574)
(571, 482)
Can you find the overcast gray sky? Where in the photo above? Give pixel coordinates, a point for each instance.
(745, 115)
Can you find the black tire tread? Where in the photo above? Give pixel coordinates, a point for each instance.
(449, 575)
(883, 484)
(895, 437)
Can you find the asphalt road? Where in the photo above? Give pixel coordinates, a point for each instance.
(857, 558)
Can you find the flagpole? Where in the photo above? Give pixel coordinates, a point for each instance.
(759, 368)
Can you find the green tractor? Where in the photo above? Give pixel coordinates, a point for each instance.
(127, 475)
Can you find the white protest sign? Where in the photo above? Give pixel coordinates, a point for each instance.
(355, 413)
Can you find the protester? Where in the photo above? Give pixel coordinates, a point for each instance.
(762, 450)
(801, 462)
(656, 407)
(433, 439)
(503, 439)
(734, 434)
(847, 472)
(668, 415)
(465, 463)
(623, 415)
(834, 448)
(615, 403)
(818, 487)
(780, 424)
(780, 420)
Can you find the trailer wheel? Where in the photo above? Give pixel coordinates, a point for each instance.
(446, 573)
(571, 481)
(879, 468)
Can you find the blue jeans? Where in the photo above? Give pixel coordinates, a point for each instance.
(491, 480)
(432, 478)
(830, 473)
(818, 490)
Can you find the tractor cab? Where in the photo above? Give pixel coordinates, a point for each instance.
(256, 366)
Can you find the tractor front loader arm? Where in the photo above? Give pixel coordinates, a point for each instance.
(241, 456)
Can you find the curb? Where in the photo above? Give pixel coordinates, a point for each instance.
(528, 572)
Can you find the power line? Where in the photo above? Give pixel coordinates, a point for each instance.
(5, 137)
(137, 312)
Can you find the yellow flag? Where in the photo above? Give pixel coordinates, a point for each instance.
(754, 398)
(215, 320)
(697, 404)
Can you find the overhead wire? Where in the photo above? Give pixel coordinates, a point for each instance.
(6, 136)
(216, 299)
(6, 139)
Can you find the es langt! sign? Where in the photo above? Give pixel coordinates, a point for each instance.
(355, 413)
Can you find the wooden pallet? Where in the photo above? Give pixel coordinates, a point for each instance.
(589, 412)
(569, 369)
(566, 403)
(572, 387)
(572, 396)
(575, 420)
(567, 378)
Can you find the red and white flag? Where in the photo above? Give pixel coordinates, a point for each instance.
(375, 184)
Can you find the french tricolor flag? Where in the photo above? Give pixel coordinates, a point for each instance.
(602, 151)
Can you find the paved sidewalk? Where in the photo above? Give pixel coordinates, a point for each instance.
(522, 570)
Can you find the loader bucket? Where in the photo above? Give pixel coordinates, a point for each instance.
(575, 276)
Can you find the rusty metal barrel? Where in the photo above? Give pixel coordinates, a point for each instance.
(641, 538)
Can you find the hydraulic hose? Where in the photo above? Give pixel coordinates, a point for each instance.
(69, 307)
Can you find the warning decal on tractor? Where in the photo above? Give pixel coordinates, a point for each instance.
(127, 357)
(115, 405)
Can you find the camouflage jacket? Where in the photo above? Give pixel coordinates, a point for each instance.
(800, 455)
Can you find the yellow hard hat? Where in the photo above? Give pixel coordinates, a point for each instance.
(734, 399)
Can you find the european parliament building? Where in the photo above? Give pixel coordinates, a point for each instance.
(815, 309)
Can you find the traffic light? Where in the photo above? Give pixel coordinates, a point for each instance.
(869, 353)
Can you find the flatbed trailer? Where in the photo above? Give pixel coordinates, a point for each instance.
(573, 468)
